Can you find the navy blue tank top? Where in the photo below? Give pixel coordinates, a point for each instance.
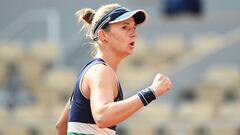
(80, 110)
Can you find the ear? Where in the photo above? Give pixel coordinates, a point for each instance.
(102, 35)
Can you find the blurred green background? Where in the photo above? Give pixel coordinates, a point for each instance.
(196, 43)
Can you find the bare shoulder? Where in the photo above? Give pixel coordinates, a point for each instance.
(101, 73)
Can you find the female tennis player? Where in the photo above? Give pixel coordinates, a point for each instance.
(97, 104)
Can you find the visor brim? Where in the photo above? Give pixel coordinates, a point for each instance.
(140, 16)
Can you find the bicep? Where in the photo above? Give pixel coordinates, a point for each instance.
(103, 89)
(101, 95)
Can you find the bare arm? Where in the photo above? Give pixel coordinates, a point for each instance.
(103, 86)
(61, 124)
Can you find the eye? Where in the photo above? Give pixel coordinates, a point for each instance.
(125, 27)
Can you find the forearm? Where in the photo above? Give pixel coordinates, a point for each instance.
(61, 124)
(62, 131)
(113, 113)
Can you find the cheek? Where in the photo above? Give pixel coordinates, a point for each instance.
(119, 37)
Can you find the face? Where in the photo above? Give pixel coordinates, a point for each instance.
(122, 37)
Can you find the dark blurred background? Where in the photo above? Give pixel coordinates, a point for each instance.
(195, 42)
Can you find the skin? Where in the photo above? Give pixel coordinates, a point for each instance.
(114, 45)
(61, 124)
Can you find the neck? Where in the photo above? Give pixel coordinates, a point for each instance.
(110, 59)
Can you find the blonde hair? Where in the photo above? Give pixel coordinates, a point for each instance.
(89, 17)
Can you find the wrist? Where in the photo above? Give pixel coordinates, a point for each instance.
(153, 91)
(146, 95)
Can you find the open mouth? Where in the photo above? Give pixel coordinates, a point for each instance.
(132, 44)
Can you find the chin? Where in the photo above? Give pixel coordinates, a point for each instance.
(126, 54)
(129, 52)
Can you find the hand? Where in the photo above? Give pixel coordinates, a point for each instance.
(161, 84)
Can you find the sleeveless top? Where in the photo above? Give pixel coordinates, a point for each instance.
(80, 119)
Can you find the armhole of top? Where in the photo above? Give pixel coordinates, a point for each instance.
(83, 74)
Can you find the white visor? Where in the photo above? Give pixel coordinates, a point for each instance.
(139, 16)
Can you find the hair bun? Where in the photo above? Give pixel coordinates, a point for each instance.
(86, 15)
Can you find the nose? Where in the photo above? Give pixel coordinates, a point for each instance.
(133, 33)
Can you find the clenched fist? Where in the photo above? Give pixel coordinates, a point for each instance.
(161, 84)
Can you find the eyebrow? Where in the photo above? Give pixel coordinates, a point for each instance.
(126, 23)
